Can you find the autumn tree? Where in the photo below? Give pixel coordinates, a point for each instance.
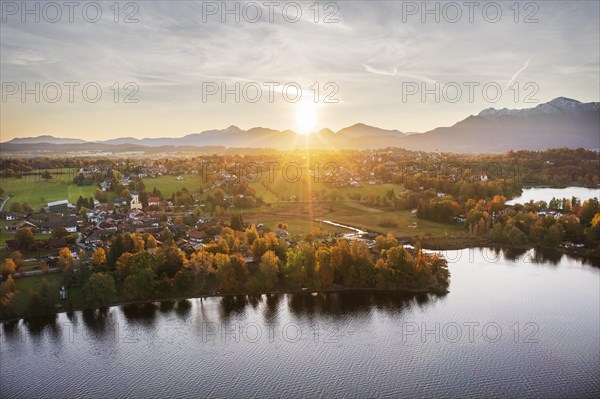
(324, 267)
(65, 259)
(170, 260)
(133, 243)
(151, 243)
(17, 257)
(251, 235)
(232, 273)
(99, 258)
(8, 267)
(130, 264)
(269, 270)
(7, 298)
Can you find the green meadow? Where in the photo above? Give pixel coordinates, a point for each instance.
(38, 193)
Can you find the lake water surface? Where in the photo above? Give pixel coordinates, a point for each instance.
(512, 325)
(546, 194)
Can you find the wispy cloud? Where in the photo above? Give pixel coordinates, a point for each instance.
(395, 72)
(514, 77)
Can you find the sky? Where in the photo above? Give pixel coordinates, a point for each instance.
(167, 69)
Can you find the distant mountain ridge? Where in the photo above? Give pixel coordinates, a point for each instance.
(560, 105)
(45, 139)
(562, 122)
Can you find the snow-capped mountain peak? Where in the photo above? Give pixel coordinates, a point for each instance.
(558, 106)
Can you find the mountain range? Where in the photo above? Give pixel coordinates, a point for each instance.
(562, 122)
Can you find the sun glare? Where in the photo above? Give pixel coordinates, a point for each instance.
(306, 117)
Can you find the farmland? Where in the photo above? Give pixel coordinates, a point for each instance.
(38, 192)
(167, 185)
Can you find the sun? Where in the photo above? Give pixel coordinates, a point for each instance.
(306, 117)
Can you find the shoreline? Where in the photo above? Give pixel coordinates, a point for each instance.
(335, 289)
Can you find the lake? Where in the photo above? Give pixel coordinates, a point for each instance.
(513, 324)
(546, 194)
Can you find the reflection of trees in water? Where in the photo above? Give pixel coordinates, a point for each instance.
(271, 308)
(183, 308)
(232, 306)
(255, 300)
(166, 306)
(37, 325)
(141, 313)
(354, 302)
(96, 320)
(325, 303)
(538, 255)
(514, 254)
(10, 328)
(546, 255)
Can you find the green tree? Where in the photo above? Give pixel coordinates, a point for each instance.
(24, 239)
(60, 232)
(140, 286)
(236, 222)
(130, 264)
(99, 291)
(516, 236)
(44, 301)
(16, 207)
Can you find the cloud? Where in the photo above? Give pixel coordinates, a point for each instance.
(395, 72)
(517, 73)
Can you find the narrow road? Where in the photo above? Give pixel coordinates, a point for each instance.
(4, 202)
(36, 272)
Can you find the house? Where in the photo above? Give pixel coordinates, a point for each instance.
(120, 201)
(69, 224)
(56, 243)
(105, 185)
(196, 236)
(153, 201)
(21, 225)
(136, 214)
(11, 216)
(250, 260)
(61, 206)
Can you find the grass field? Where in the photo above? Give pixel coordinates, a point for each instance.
(169, 184)
(24, 285)
(300, 218)
(37, 192)
(407, 224)
(277, 188)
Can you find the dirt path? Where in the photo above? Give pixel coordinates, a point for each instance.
(362, 207)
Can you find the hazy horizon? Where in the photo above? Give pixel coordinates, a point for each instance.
(370, 57)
